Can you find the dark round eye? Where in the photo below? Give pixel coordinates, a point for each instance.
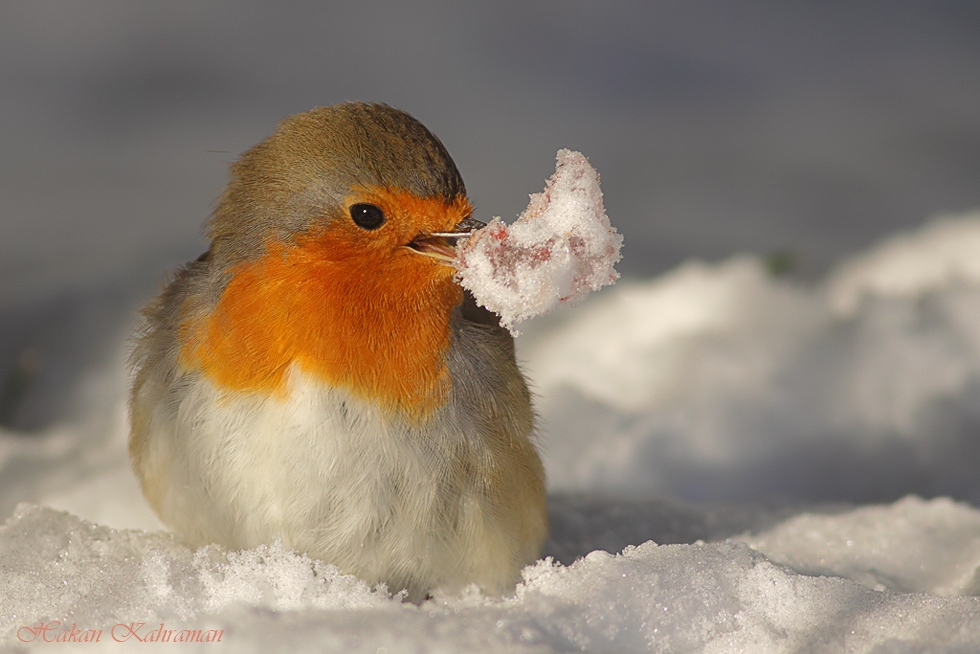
(367, 216)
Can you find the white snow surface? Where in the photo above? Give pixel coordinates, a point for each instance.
(558, 250)
(675, 410)
(721, 597)
(721, 382)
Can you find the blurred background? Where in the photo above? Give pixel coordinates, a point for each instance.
(800, 133)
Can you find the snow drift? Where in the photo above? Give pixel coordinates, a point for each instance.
(721, 382)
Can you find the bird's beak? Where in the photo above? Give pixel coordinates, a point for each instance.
(442, 245)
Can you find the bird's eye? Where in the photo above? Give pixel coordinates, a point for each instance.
(367, 216)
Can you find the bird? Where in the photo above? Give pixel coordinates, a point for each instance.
(318, 377)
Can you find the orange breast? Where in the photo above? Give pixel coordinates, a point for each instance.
(368, 316)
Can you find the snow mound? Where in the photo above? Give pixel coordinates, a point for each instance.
(719, 382)
(722, 597)
(909, 265)
(56, 566)
(560, 248)
(911, 546)
(635, 347)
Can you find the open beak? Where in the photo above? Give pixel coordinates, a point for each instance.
(442, 245)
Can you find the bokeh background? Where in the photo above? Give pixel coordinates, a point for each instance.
(798, 132)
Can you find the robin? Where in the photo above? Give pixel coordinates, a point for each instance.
(319, 377)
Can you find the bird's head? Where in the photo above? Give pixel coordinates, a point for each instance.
(369, 179)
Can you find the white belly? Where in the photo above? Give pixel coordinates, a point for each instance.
(333, 477)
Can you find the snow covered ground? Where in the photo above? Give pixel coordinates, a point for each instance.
(675, 409)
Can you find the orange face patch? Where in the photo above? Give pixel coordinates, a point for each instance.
(350, 306)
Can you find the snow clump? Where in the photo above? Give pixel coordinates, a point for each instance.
(560, 248)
